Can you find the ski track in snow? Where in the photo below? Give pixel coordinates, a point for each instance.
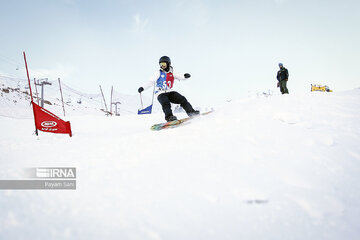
(283, 167)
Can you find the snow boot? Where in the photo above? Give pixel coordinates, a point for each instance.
(194, 113)
(171, 118)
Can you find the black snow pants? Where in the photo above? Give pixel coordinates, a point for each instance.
(173, 97)
(283, 87)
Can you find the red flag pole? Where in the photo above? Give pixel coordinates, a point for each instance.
(32, 102)
(27, 72)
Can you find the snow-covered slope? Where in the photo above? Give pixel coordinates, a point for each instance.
(281, 167)
(15, 100)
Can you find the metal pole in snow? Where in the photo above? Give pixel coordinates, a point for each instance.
(62, 100)
(111, 98)
(37, 94)
(103, 98)
(42, 94)
(42, 89)
(142, 106)
(152, 101)
(116, 108)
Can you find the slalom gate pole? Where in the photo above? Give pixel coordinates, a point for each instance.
(62, 99)
(111, 99)
(142, 106)
(103, 98)
(32, 102)
(152, 102)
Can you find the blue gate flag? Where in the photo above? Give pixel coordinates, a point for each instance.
(145, 110)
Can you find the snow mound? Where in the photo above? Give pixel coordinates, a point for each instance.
(280, 167)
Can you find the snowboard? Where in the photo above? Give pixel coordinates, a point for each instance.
(176, 123)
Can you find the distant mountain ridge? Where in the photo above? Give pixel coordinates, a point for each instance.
(15, 99)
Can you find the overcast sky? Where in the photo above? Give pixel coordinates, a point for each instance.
(229, 47)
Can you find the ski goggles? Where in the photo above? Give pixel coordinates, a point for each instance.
(163, 64)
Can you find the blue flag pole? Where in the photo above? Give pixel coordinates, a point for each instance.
(148, 109)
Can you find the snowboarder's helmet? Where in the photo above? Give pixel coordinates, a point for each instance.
(281, 65)
(165, 59)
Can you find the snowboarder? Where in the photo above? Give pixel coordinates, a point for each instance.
(282, 77)
(164, 80)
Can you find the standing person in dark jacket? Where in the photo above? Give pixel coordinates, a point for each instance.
(283, 77)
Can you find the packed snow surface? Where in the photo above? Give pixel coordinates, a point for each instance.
(281, 167)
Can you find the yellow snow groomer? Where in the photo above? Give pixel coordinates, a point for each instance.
(320, 88)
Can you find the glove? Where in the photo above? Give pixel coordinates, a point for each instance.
(187, 75)
(140, 89)
(278, 84)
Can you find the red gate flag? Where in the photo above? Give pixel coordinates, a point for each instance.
(44, 120)
(48, 122)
